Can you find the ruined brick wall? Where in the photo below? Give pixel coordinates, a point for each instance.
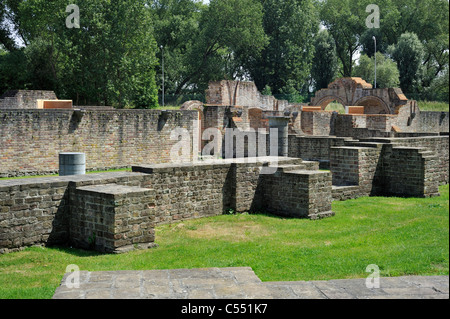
(33, 213)
(410, 172)
(298, 194)
(110, 218)
(317, 123)
(399, 167)
(24, 99)
(411, 119)
(30, 140)
(314, 148)
(111, 211)
(237, 93)
(438, 145)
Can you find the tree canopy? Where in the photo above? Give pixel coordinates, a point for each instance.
(115, 57)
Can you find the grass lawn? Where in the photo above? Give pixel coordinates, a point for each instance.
(401, 236)
(433, 106)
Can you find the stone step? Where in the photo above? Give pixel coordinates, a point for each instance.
(364, 144)
(305, 165)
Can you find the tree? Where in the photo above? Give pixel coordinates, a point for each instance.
(285, 63)
(110, 60)
(176, 24)
(388, 75)
(343, 20)
(230, 31)
(409, 53)
(324, 65)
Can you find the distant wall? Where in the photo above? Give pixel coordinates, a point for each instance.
(237, 93)
(23, 99)
(30, 140)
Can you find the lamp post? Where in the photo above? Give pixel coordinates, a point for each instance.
(375, 40)
(162, 53)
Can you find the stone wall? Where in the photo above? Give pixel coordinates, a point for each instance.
(114, 212)
(318, 123)
(24, 99)
(314, 148)
(30, 140)
(299, 194)
(359, 166)
(439, 148)
(390, 167)
(112, 218)
(246, 94)
(410, 172)
(33, 212)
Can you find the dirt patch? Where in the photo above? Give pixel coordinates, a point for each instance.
(239, 231)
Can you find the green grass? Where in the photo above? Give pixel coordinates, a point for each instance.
(401, 236)
(433, 106)
(335, 107)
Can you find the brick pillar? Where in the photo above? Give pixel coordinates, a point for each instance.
(282, 124)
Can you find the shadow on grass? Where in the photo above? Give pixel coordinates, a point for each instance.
(77, 252)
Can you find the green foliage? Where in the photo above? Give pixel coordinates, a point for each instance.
(343, 20)
(324, 65)
(115, 57)
(110, 60)
(388, 75)
(285, 63)
(409, 53)
(267, 90)
(428, 19)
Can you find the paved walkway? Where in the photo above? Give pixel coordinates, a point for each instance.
(240, 283)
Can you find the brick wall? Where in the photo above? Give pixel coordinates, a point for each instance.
(33, 213)
(112, 211)
(314, 148)
(23, 99)
(438, 145)
(112, 218)
(31, 140)
(317, 123)
(410, 172)
(302, 193)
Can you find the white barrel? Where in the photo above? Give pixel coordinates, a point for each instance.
(72, 164)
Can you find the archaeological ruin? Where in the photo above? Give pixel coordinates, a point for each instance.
(240, 151)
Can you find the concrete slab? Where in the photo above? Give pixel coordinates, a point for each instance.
(239, 283)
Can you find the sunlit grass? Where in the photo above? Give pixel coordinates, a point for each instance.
(402, 236)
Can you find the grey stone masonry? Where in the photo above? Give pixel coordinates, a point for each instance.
(112, 218)
(240, 283)
(116, 212)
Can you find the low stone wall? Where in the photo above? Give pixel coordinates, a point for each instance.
(438, 145)
(112, 218)
(318, 123)
(314, 148)
(390, 167)
(33, 212)
(299, 194)
(31, 140)
(410, 172)
(113, 212)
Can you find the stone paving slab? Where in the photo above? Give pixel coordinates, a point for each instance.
(240, 283)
